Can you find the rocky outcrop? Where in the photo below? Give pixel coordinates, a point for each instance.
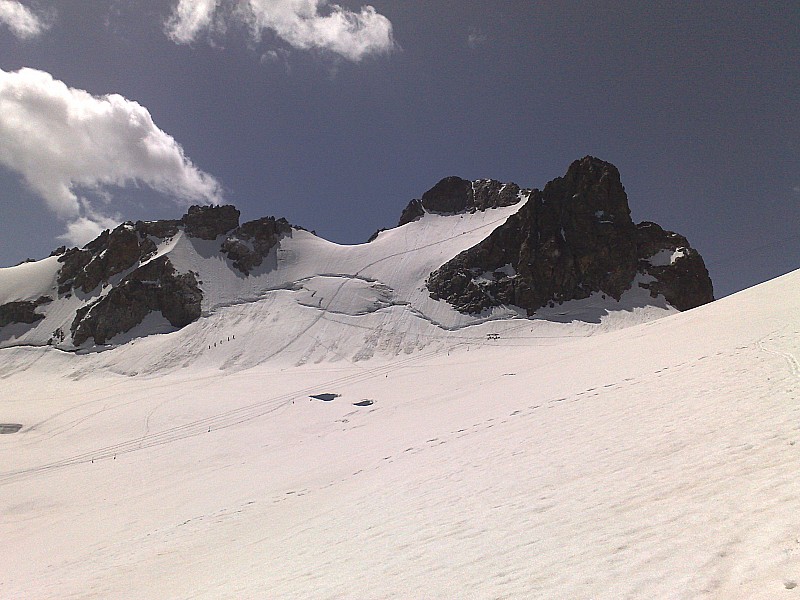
(110, 254)
(159, 229)
(248, 245)
(410, 213)
(490, 193)
(71, 275)
(453, 195)
(450, 195)
(677, 270)
(209, 222)
(129, 244)
(572, 239)
(155, 286)
(123, 259)
(22, 311)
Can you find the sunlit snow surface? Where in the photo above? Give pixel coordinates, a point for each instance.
(511, 458)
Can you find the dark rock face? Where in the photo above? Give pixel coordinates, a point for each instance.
(685, 282)
(111, 253)
(158, 229)
(146, 285)
(153, 286)
(116, 251)
(450, 195)
(71, 273)
(454, 195)
(573, 238)
(22, 312)
(489, 193)
(249, 244)
(209, 222)
(412, 212)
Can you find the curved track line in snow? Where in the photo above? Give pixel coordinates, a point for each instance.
(791, 360)
(357, 274)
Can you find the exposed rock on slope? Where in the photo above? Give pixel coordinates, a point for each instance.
(111, 253)
(677, 270)
(155, 286)
(454, 195)
(146, 284)
(22, 312)
(208, 222)
(572, 239)
(249, 244)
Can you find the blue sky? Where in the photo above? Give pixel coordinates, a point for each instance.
(336, 115)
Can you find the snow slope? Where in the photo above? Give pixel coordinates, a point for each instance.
(562, 460)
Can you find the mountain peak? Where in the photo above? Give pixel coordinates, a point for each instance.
(571, 240)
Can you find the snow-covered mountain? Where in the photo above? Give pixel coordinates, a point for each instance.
(325, 428)
(467, 253)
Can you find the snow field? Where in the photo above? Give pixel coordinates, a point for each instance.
(658, 460)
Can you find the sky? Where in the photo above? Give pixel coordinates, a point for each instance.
(336, 115)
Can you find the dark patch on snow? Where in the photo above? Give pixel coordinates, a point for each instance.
(364, 403)
(9, 427)
(325, 397)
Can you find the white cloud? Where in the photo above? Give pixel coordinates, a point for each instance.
(64, 141)
(84, 229)
(189, 18)
(22, 21)
(303, 24)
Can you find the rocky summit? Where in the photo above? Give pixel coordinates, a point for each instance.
(568, 241)
(122, 280)
(465, 250)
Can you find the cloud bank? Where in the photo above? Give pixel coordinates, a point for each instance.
(65, 142)
(21, 20)
(303, 24)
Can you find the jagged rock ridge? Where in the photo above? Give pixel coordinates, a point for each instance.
(141, 284)
(122, 281)
(570, 240)
(155, 286)
(454, 195)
